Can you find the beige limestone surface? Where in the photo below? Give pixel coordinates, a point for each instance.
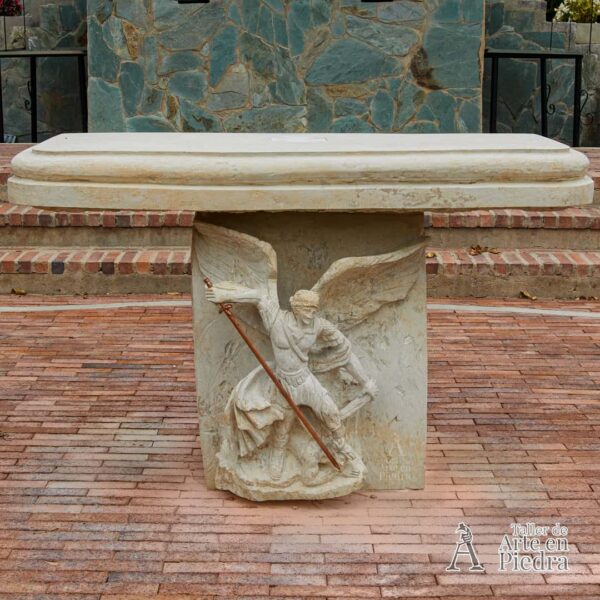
(335, 220)
(338, 172)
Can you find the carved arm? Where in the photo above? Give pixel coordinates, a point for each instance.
(227, 291)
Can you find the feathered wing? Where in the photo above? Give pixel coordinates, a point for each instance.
(226, 255)
(223, 359)
(354, 288)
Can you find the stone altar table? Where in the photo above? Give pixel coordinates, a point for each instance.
(314, 243)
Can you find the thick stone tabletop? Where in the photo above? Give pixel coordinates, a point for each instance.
(287, 172)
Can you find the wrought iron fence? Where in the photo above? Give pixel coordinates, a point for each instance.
(31, 104)
(546, 108)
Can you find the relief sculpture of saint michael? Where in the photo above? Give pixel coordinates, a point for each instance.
(262, 450)
(259, 413)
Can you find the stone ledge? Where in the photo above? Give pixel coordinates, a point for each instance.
(338, 172)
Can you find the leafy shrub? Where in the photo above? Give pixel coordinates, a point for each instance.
(578, 11)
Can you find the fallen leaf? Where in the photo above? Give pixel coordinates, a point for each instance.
(18, 292)
(526, 294)
(477, 250)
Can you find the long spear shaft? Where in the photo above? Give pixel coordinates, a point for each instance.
(226, 308)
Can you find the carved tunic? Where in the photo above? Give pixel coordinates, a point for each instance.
(292, 342)
(255, 404)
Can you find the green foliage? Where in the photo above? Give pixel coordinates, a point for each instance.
(578, 11)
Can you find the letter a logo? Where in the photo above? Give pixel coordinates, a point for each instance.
(464, 546)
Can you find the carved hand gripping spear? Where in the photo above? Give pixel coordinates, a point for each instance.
(226, 309)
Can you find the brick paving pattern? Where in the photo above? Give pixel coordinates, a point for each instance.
(102, 493)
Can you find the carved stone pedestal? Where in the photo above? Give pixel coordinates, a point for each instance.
(369, 271)
(333, 221)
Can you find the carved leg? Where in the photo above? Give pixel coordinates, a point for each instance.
(353, 466)
(357, 371)
(281, 435)
(369, 387)
(324, 407)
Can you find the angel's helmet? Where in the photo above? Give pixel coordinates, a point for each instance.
(305, 304)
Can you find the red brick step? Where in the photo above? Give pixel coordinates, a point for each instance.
(500, 263)
(108, 261)
(571, 218)
(555, 273)
(12, 215)
(546, 273)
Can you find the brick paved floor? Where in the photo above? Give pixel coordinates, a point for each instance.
(102, 495)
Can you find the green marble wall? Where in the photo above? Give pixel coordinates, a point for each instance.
(295, 65)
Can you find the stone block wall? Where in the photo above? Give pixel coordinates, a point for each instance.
(286, 65)
(57, 24)
(522, 25)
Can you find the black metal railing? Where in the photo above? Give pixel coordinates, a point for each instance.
(33, 56)
(543, 57)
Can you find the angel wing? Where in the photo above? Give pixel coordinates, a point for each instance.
(353, 288)
(226, 255)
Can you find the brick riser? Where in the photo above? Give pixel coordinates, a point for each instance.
(95, 271)
(574, 228)
(25, 226)
(138, 252)
(554, 274)
(577, 229)
(566, 274)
